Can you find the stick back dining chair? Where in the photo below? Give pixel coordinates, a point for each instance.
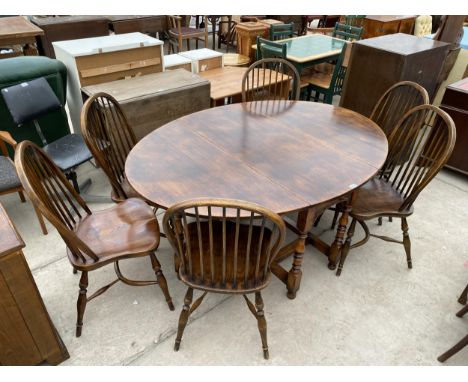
(419, 146)
(270, 79)
(224, 246)
(126, 230)
(109, 137)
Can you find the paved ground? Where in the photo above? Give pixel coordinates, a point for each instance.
(377, 313)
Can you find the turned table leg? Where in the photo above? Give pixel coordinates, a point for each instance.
(335, 249)
(305, 220)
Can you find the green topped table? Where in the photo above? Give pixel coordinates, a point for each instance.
(312, 49)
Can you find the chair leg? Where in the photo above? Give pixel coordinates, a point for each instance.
(335, 217)
(463, 297)
(262, 325)
(406, 242)
(21, 196)
(40, 218)
(380, 221)
(463, 311)
(81, 303)
(455, 349)
(184, 315)
(161, 280)
(345, 250)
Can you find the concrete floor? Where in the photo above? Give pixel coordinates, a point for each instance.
(377, 313)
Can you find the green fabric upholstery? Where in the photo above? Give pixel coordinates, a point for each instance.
(19, 69)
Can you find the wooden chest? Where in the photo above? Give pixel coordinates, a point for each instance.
(60, 28)
(176, 61)
(204, 59)
(150, 25)
(455, 103)
(378, 63)
(102, 59)
(156, 99)
(382, 25)
(27, 334)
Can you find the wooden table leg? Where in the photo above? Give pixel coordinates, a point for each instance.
(335, 249)
(305, 220)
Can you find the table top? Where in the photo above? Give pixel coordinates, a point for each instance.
(227, 81)
(284, 155)
(18, 27)
(312, 47)
(235, 59)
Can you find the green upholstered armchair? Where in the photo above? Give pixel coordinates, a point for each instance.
(18, 69)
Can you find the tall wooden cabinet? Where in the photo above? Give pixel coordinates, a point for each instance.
(378, 63)
(455, 103)
(27, 334)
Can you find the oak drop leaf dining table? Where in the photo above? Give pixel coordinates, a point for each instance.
(288, 156)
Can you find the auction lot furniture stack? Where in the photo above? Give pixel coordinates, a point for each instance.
(102, 59)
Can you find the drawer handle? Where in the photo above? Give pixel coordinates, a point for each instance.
(93, 72)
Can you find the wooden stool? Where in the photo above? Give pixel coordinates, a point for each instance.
(236, 59)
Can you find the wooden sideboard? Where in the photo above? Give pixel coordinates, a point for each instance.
(380, 62)
(27, 334)
(382, 25)
(455, 103)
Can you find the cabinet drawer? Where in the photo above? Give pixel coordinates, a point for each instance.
(210, 63)
(112, 66)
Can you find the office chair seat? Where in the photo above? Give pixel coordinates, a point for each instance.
(68, 152)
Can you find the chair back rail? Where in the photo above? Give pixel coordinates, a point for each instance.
(109, 137)
(265, 80)
(270, 49)
(281, 31)
(224, 245)
(49, 190)
(419, 146)
(395, 102)
(347, 32)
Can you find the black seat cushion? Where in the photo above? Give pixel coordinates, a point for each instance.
(68, 151)
(8, 177)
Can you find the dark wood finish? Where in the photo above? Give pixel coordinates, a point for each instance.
(375, 26)
(178, 34)
(455, 103)
(227, 34)
(378, 63)
(254, 152)
(27, 334)
(126, 230)
(396, 102)
(464, 341)
(61, 28)
(419, 146)
(19, 31)
(6, 138)
(222, 255)
(110, 138)
(150, 25)
(259, 85)
(152, 100)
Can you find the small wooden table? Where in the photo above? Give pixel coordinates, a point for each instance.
(227, 83)
(287, 156)
(235, 59)
(19, 31)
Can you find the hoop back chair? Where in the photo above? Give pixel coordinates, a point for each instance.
(270, 79)
(110, 138)
(178, 33)
(419, 146)
(9, 181)
(227, 34)
(347, 32)
(281, 31)
(224, 246)
(126, 230)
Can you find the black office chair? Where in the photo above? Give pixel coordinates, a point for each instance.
(30, 100)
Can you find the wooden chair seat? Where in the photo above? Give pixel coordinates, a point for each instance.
(129, 191)
(187, 31)
(319, 79)
(376, 198)
(231, 286)
(126, 229)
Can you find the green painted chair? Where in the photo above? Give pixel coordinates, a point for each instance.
(281, 31)
(347, 32)
(355, 20)
(323, 86)
(270, 49)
